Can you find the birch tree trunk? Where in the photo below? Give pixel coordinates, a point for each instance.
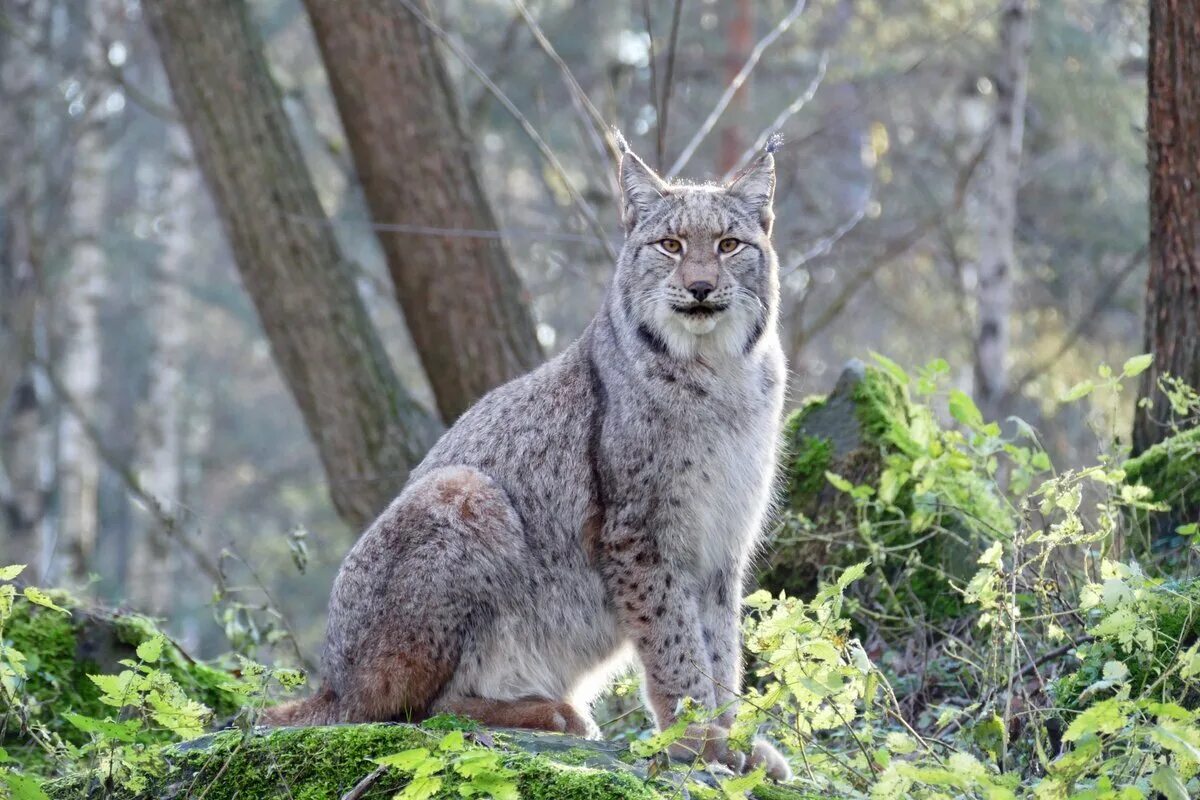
(21, 499)
(1172, 326)
(998, 211)
(463, 302)
(78, 364)
(163, 441)
(367, 428)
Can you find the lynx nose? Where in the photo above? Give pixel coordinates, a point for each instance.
(700, 290)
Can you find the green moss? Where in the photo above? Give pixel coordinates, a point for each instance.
(882, 406)
(63, 650)
(326, 762)
(1171, 468)
(810, 460)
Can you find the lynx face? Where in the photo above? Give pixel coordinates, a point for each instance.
(697, 274)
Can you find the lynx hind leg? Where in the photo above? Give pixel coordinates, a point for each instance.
(556, 716)
(407, 593)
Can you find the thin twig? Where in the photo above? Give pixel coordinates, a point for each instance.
(598, 127)
(664, 107)
(793, 108)
(453, 233)
(360, 788)
(860, 279)
(168, 524)
(732, 88)
(582, 204)
(1085, 321)
(658, 142)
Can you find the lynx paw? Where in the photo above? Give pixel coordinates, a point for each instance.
(709, 742)
(764, 754)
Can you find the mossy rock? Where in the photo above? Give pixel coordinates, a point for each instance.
(63, 649)
(865, 423)
(1171, 469)
(324, 763)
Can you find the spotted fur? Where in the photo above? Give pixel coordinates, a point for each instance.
(599, 509)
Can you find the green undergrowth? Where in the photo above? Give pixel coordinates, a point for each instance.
(66, 641)
(872, 472)
(327, 762)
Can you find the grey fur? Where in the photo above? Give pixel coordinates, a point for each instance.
(603, 506)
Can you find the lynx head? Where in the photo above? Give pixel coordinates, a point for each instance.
(697, 274)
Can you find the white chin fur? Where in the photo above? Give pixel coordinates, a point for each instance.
(687, 337)
(698, 326)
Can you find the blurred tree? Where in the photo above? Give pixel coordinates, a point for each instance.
(367, 428)
(465, 306)
(21, 500)
(998, 210)
(1172, 326)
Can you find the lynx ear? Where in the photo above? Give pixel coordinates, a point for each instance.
(756, 184)
(640, 187)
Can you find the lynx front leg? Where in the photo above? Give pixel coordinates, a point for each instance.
(662, 618)
(721, 619)
(661, 614)
(720, 608)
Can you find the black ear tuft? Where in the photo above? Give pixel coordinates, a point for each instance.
(619, 140)
(774, 142)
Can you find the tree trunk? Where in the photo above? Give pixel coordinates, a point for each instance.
(463, 302)
(998, 211)
(739, 41)
(369, 432)
(1173, 288)
(21, 500)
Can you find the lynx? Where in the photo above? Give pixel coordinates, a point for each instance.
(600, 509)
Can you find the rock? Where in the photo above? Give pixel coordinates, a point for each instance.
(866, 423)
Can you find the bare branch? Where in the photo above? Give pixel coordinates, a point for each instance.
(168, 524)
(777, 124)
(658, 142)
(1084, 322)
(548, 154)
(664, 107)
(598, 127)
(734, 85)
(834, 308)
(360, 788)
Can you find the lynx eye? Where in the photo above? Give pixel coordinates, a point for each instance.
(729, 245)
(670, 246)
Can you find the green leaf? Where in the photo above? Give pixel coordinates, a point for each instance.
(10, 572)
(35, 595)
(23, 787)
(839, 483)
(1078, 391)
(121, 731)
(1137, 365)
(891, 367)
(452, 742)
(1103, 717)
(759, 600)
(736, 788)
(1167, 781)
(963, 409)
(151, 649)
(406, 760)
(421, 788)
(851, 574)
